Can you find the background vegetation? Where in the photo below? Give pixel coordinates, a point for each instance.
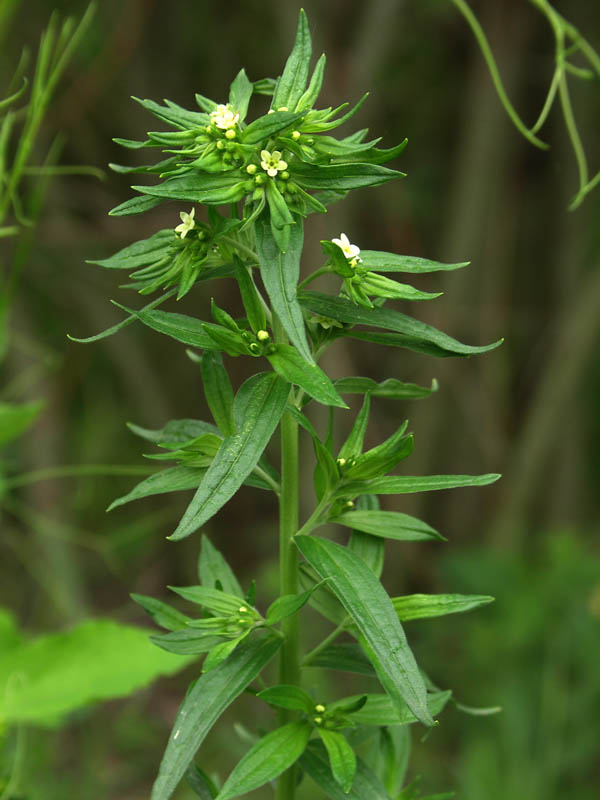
(475, 190)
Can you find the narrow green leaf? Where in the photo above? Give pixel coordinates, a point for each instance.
(221, 651)
(366, 785)
(267, 126)
(323, 600)
(174, 479)
(288, 363)
(390, 262)
(127, 321)
(288, 604)
(367, 602)
(388, 525)
(253, 305)
(136, 205)
(214, 599)
(381, 710)
(188, 642)
(201, 783)
(164, 615)
(390, 388)
(139, 253)
(280, 273)
(409, 484)
(370, 549)
(292, 697)
(213, 569)
(196, 187)
(309, 97)
(292, 83)
(421, 606)
(209, 696)
(342, 758)
(240, 93)
(182, 328)
(343, 177)
(416, 335)
(270, 756)
(176, 431)
(258, 407)
(353, 445)
(218, 391)
(174, 114)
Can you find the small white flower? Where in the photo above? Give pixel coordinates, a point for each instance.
(187, 223)
(224, 117)
(351, 251)
(272, 163)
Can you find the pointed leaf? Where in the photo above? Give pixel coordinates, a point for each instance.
(269, 757)
(309, 97)
(213, 569)
(258, 407)
(390, 262)
(390, 387)
(416, 335)
(421, 606)
(409, 484)
(366, 785)
(342, 758)
(146, 251)
(343, 177)
(174, 479)
(164, 615)
(347, 657)
(288, 604)
(268, 126)
(210, 695)
(292, 83)
(288, 363)
(240, 93)
(292, 697)
(253, 304)
(381, 710)
(371, 549)
(354, 443)
(221, 603)
(136, 205)
(367, 602)
(188, 330)
(388, 525)
(218, 391)
(280, 273)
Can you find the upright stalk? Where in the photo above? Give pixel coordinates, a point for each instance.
(289, 666)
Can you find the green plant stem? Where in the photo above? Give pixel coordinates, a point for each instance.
(289, 665)
(486, 51)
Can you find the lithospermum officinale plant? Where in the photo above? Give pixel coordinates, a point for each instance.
(271, 174)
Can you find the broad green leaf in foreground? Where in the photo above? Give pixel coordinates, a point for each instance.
(269, 757)
(209, 696)
(366, 785)
(280, 273)
(342, 757)
(49, 676)
(367, 602)
(258, 407)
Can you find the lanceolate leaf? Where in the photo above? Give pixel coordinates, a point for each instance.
(366, 785)
(213, 568)
(408, 484)
(164, 615)
(288, 362)
(180, 327)
(421, 606)
(380, 710)
(366, 601)
(127, 321)
(341, 758)
(417, 335)
(280, 273)
(143, 252)
(195, 187)
(390, 262)
(292, 83)
(390, 387)
(388, 525)
(292, 697)
(344, 177)
(218, 391)
(258, 407)
(347, 657)
(136, 205)
(269, 757)
(174, 479)
(205, 702)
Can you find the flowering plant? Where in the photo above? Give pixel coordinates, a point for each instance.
(271, 174)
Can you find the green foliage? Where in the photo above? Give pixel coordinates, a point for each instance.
(45, 678)
(273, 172)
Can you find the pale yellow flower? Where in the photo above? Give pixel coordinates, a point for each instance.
(187, 223)
(272, 163)
(224, 117)
(351, 251)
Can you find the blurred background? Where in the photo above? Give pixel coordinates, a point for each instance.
(475, 190)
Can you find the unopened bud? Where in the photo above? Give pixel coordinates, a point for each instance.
(251, 169)
(262, 336)
(320, 708)
(295, 135)
(318, 720)
(230, 133)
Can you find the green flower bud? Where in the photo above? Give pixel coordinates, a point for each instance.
(251, 169)
(230, 134)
